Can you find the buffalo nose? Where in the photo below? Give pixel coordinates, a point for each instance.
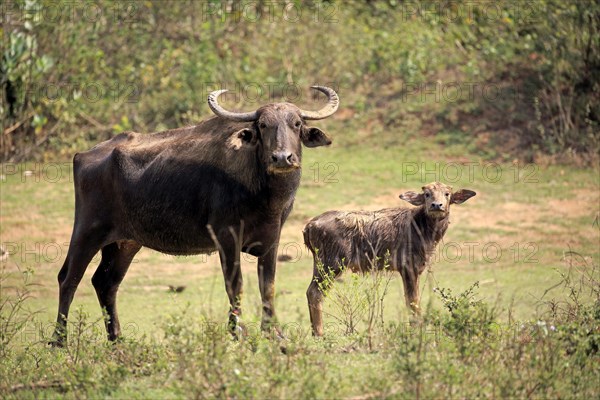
(282, 159)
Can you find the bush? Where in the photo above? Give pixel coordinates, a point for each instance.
(152, 66)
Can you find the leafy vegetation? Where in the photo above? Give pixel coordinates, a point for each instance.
(463, 350)
(508, 78)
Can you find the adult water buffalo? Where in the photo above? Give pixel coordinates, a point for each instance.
(226, 185)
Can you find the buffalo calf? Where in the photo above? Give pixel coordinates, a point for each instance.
(363, 241)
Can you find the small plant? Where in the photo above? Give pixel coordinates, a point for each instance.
(85, 333)
(577, 319)
(347, 300)
(471, 322)
(360, 300)
(14, 316)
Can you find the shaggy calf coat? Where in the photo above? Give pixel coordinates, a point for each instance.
(404, 239)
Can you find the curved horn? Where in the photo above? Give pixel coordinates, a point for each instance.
(221, 112)
(328, 110)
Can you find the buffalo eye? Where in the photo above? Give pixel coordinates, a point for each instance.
(297, 124)
(262, 125)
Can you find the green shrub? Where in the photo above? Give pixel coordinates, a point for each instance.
(154, 66)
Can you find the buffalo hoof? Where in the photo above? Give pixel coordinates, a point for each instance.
(115, 339)
(416, 320)
(238, 331)
(57, 343)
(283, 348)
(59, 338)
(276, 333)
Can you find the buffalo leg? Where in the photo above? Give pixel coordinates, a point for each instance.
(232, 273)
(266, 282)
(81, 252)
(115, 262)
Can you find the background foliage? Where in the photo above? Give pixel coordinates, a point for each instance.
(508, 78)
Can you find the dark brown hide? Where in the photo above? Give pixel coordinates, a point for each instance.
(221, 186)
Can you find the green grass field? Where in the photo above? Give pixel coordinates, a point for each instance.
(527, 225)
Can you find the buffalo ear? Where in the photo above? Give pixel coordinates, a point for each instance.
(314, 137)
(416, 199)
(461, 196)
(242, 138)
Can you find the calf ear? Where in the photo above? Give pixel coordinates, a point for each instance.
(416, 199)
(461, 196)
(314, 137)
(242, 138)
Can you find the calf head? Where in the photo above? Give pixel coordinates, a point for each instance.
(436, 198)
(278, 130)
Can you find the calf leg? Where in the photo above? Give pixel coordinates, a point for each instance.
(315, 294)
(116, 259)
(315, 307)
(82, 248)
(410, 278)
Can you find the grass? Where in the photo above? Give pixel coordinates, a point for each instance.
(514, 238)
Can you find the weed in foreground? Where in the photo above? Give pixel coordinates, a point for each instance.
(461, 350)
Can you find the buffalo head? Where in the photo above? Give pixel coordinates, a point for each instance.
(278, 130)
